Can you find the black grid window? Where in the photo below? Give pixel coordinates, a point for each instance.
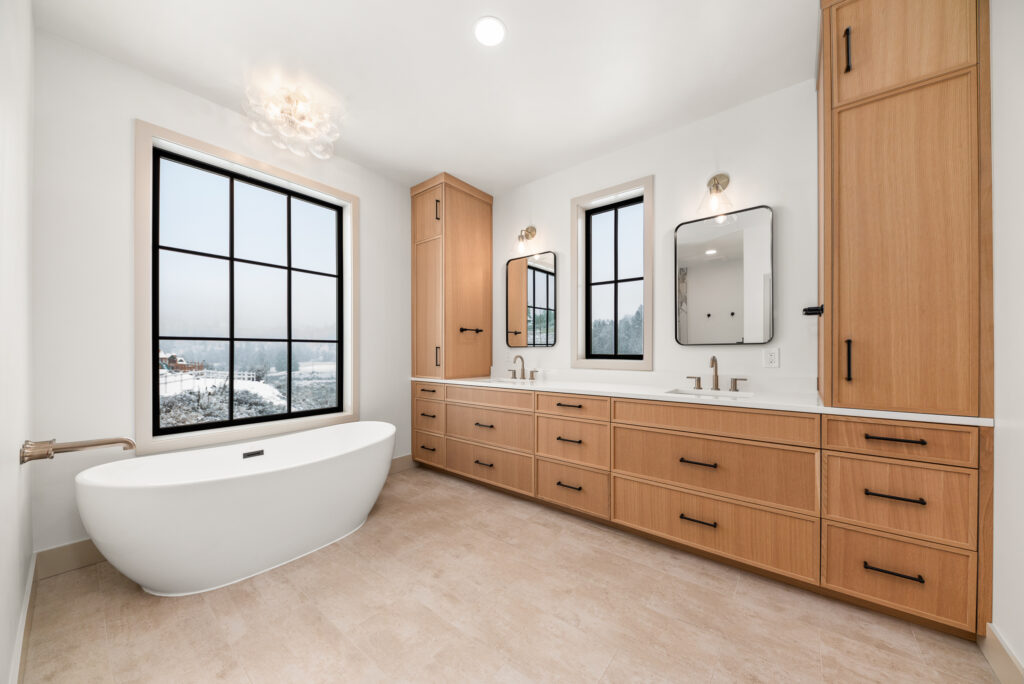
(540, 307)
(615, 281)
(247, 299)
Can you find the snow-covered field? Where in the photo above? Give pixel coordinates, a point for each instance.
(176, 383)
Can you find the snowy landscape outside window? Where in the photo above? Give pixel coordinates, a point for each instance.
(246, 299)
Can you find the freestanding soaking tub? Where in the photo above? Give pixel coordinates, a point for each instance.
(181, 523)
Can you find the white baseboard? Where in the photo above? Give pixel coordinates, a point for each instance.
(24, 624)
(1004, 663)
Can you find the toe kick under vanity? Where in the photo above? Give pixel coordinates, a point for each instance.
(885, 512)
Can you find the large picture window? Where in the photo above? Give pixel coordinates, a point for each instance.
(247, 299)
(614, 249)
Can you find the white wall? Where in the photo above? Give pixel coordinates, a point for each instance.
(1007, 18)
(768, 147)
(716, 288)
(15, 216)
(82, 260)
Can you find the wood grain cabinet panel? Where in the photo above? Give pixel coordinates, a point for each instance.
(932, 581)
(936, 503)
(887, 44)
(802, 429)
(428, 390)
(774, 475)
(428, 448)
(428, 214)
(503, 468)
(505, 429)
(482, 396)
(780, 542)
(574, 406)
(428, 415)
(929, 442)
(574, 440)
(427, 345)
(580, 488)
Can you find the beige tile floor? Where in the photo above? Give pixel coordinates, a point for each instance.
(453, 582)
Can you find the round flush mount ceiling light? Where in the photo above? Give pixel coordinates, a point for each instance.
(711, 252)
(292, 120)
(489, 31)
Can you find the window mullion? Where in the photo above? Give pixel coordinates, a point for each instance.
(231, 300)
(615, 277)
(288, 294)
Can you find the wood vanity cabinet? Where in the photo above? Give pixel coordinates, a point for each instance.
(451, 279)
(905, 209)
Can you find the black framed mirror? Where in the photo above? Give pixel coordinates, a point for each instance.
(530, 300)
(723, 273)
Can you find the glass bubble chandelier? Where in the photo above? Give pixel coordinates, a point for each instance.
(292, 121)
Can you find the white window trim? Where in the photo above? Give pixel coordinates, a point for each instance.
(580, 205)
(148, 136)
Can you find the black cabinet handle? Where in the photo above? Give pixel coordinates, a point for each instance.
(849, 360)
(472, 330)
(849, 64)
(579, 406)
(424, 389)
(437, 202)
(683, 516)
(697, 463)
(486, 465)
(426, 448)
(919, 501)
(437, 356)
(490, 427)
(896, 439)
(428, 415)
(919, 578)
(514, 332)
(562, 484)
(814, 310)
(560, 438)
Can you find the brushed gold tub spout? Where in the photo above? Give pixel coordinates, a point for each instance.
(33, 451)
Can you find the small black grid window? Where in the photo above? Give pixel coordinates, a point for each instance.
(615, 281)
(540, 307)
(247, 299)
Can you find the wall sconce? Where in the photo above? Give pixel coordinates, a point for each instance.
(715, 201)
(525, 234)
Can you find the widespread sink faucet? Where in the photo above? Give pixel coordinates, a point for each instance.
(522, 366)
(714, 377)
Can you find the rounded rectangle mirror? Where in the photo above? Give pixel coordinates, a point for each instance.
(723, 278)
(530, 301)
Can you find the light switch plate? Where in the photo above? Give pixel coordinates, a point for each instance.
(771, 357)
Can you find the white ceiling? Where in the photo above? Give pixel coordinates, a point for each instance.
(574, 78)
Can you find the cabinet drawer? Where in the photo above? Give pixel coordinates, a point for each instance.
(939, 583)
(937, 503)
(574, 406)
(772, 475)
(784, 427)
(504, 468)
(579, 488)
(574, 440)
(932, 442)
(777, 541)
(428, 448)
(428, 390)
(428, 415)
(491, 426)
(513, 399)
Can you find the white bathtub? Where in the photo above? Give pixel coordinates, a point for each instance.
(186, 522)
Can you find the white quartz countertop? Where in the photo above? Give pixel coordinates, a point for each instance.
(807, 402)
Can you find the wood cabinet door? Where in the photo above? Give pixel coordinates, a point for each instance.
(905, 260)
(427, 351)
(515, 303)
(467, 285)
(428, 214)
(882, 44)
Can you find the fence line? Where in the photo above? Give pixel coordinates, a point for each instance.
(168, 379)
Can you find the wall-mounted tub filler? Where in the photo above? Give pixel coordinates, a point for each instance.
(33, 451)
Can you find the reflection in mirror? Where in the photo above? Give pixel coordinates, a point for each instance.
(530, 301)
(724, 278)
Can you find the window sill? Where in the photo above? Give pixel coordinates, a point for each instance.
(614, 364)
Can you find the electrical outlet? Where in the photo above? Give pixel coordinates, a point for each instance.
(771, 358)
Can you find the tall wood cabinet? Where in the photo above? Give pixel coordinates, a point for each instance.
(451, 279)
(903, 119)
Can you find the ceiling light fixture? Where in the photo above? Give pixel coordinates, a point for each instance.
(489, 31)
(525, 234)
(292, 121)
(711, 252)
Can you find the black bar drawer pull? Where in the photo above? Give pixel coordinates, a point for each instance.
(683, 459)
(472, 330)
(486, 465)
(919, 501)
(849, 360)
(569, 405)
(683, 516)
(424, 389)
(437, 202)
(429, 415)
(489, 427)
(437, 356)
(562, 484)
(560, 438)
(849, 64)
(896, 439)
(426, 448)
(919, 578)
(814, 310)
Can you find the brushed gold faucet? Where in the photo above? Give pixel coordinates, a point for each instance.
(714, 376)
(32, 451)
(522, 366)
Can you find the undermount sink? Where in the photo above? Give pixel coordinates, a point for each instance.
(511, 381)
(714, 394)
